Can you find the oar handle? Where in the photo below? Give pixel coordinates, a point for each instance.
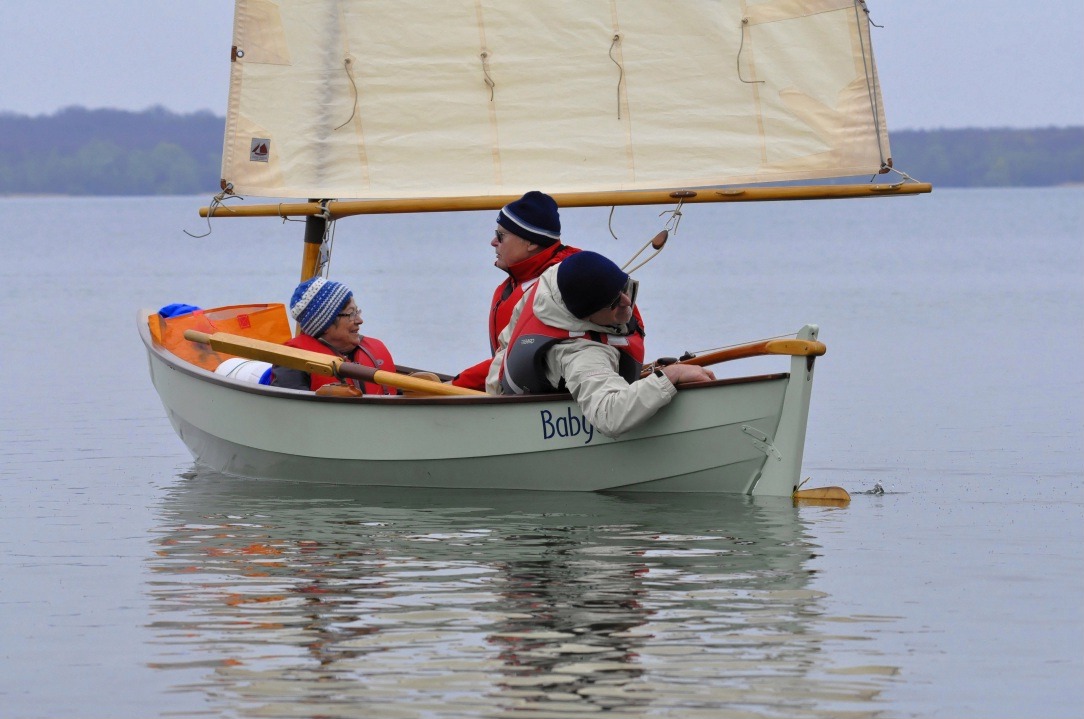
(793, 347)
(317, 363)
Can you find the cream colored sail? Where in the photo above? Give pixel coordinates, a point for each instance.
(373, 98)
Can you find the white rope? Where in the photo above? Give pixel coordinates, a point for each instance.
(324, 264)
(633, 258)
(217, 201)
(670, 227)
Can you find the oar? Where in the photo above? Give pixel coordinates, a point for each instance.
(317, 363)
(797, 348)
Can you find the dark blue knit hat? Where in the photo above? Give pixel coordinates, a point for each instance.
(533, 217)
(316, 303)
(589, 282)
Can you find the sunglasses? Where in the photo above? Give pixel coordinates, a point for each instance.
(631, 288)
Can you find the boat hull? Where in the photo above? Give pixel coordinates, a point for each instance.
(743, 436)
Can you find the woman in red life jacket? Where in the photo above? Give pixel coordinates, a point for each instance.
(330, 321)
(527, 242)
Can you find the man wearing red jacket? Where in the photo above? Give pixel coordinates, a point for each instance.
(527, 242)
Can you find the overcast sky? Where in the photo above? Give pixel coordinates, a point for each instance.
(983, 63)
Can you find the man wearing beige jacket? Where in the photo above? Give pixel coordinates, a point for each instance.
(576, 330)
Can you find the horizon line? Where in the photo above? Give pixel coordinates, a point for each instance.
(206, 111)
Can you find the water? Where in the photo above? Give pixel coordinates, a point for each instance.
(135, 585)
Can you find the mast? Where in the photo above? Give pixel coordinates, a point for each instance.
(315, 229)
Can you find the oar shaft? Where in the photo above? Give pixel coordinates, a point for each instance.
(400, 381)
(317, 363)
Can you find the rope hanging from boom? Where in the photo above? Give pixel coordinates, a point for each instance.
(658, 241)
(217, 201)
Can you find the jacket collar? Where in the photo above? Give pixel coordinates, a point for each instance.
(531, 267)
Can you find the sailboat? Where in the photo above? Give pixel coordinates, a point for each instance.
(376, 107)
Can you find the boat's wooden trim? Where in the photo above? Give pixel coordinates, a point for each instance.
(346, 208)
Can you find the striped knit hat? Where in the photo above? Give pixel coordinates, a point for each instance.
(316, 303)
(533, 217)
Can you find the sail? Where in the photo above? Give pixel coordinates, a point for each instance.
(380, 99)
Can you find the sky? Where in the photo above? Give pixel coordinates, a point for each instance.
(943, 64)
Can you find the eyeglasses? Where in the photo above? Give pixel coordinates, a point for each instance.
(350, 315)
(631, 289)
(499, 236)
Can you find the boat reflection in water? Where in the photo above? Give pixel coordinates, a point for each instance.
(277, 599)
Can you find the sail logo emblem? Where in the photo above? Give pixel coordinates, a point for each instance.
(260, 149)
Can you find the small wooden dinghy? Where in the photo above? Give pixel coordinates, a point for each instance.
(369, 109)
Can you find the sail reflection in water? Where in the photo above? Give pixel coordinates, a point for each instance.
(275, 599)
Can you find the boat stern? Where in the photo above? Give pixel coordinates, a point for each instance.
(782, 469)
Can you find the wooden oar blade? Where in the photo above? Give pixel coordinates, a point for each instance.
(249, 348)
(829, 496)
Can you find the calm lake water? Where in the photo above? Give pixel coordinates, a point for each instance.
(133, 584)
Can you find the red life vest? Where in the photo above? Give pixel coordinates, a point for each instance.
(371, 353)
(521, 277)
(524, 367)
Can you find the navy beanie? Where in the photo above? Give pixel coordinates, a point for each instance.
(316, 303)
(533, 217)
(589, 282)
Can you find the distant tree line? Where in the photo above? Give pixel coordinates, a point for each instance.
(157, 152)
(1038, 157)
(110, 152)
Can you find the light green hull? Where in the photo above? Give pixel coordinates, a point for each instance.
(744, 436)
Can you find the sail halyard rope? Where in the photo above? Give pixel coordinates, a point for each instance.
(323, 263)
(861, 12)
